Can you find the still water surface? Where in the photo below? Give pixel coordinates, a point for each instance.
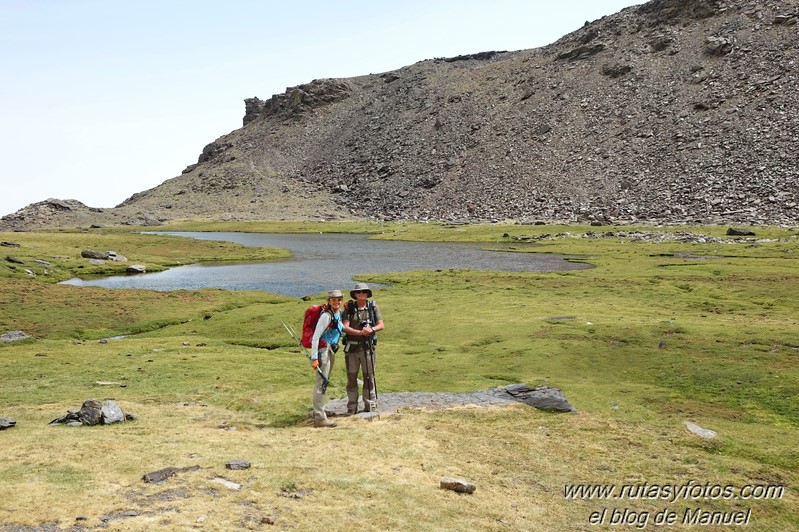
(322, 262)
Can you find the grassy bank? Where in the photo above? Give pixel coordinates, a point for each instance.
(656, 334)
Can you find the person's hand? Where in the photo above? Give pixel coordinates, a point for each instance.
(314, 364)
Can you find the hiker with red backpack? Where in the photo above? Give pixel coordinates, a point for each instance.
(323, 345)
(361, 320)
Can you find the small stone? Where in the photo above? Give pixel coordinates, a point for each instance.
(227, 483)
(238, 465)
(699, 431)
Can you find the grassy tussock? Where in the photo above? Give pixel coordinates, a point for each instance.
(642, 342)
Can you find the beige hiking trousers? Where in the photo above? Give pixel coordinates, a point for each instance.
(326, 360)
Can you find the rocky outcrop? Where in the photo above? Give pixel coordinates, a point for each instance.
(94, 412)
(673, 111)
(297, 101)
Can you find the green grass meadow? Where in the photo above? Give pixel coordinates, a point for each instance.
(654, 334)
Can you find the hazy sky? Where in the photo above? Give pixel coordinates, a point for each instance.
(100, 99)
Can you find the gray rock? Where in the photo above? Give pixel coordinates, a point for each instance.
(699, 431)
(238, 465)
(541, 397)
(157, 477)
(13, 336)
(6, 423)
(112, 413)
(136, 268)
(92, 254)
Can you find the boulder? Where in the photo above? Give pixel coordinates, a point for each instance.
(112, 413)
(91, 412)
(93, 254)
(457, 485)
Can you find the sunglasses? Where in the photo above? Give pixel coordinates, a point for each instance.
(360, 291)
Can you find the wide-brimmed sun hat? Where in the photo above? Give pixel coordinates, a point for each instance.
(335, 294)
(361, 287)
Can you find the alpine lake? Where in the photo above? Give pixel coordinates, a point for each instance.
(322, 262)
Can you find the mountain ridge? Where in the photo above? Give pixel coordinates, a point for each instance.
(674, 111)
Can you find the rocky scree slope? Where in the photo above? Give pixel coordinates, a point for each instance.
(672, 111)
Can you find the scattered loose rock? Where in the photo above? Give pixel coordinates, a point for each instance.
(6, 423)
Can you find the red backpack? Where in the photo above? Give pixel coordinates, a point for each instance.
(309, 325)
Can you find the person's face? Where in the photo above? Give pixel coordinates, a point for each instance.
(361, 295)
(335, 302)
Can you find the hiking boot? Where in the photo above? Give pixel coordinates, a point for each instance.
(324, 423)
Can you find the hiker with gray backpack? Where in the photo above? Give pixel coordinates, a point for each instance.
(361, 319)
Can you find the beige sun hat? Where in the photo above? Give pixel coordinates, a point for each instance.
(359, 287)
(335, 294)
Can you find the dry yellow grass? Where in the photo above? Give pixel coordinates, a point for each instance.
(372, 475)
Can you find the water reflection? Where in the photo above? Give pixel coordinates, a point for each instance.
(324, 261)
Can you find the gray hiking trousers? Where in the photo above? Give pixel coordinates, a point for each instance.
(357, 360)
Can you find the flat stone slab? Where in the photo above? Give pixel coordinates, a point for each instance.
(699, 431)
(13, 336)
(541, 397)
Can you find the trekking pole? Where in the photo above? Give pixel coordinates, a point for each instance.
(371, 354)
(293, 334)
